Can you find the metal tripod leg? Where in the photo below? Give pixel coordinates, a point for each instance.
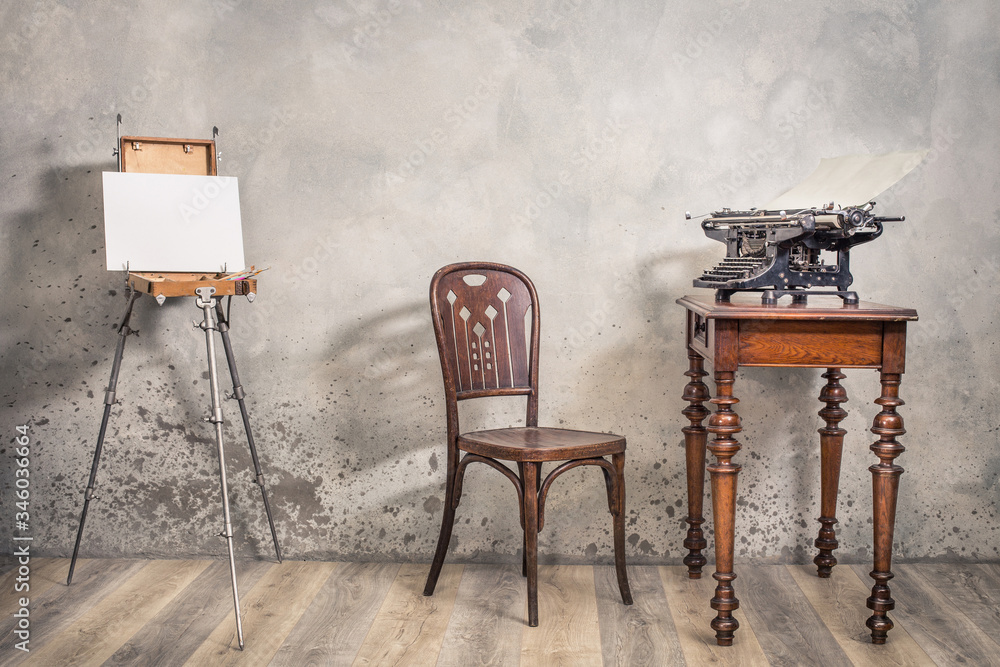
(109, 399)
(207, 303)
(239, 395)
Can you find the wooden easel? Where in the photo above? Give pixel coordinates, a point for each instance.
(194, 157)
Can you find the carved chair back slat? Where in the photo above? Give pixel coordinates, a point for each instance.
(484, 315)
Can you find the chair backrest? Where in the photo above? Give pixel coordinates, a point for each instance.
(487, 344)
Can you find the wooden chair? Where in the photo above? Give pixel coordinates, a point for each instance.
(480, 313)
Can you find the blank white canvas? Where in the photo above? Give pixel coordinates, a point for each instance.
(172, 222)
(849, 180)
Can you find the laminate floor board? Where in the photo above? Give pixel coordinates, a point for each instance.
(935, 621)
(975, 588)
(186, 622)
(332, 629)
(58, 607)
(789, 630)
(97, 634)
(135, 612)
(642, 633)
(840, 602)
(42, 574)
(489, 618)
(568, 631)
(409, 626)
(271, 608)
(691, 613)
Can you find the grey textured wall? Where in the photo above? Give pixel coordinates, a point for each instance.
(379, 140)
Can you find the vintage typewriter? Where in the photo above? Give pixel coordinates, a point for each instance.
(796, 252)
(793, 248)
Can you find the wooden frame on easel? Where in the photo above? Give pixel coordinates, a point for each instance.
(195, 157)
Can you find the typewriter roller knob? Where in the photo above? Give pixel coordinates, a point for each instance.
(855, 218)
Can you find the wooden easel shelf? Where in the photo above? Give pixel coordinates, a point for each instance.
(185, 284)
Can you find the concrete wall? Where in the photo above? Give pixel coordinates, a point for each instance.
(377, 141)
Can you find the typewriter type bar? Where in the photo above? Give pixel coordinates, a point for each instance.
(795, 253)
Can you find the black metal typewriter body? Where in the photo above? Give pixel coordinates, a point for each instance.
(796, 252)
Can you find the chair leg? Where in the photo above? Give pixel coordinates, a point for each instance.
(447, 522)
(531, 538)
(524, 544)
(618, 518)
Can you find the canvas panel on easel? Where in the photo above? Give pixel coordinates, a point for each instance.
(172, 222)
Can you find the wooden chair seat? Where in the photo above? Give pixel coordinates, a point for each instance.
(540, 444)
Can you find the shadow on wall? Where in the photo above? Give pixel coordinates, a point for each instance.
(56, 281)
(632, 387)
(392, 360)
(387, 387)
(159, 472)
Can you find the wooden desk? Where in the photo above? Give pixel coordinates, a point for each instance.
(822, 333)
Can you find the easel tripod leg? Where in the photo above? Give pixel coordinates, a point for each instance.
(109, 399)
(239, 395)
(207, 304)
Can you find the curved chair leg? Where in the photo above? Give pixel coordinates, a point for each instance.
(531, 538)
(618, 515)
(447, 522)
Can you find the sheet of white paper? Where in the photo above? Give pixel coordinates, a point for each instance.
(850, 180)
(172, 222)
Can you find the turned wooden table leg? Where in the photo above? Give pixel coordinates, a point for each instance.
(885, 483)
(695, 393)
(723, 424)
(831, 439)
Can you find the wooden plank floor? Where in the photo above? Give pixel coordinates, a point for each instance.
(314, 613)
